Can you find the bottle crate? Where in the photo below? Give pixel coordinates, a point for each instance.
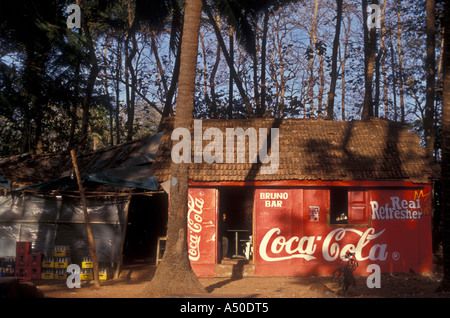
(23, 248)
(22, 260)
(61, 251)
(23, 273)
(62, 262)
(47, 273)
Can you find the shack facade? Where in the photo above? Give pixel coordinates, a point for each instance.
(40, 203)
(363, 187)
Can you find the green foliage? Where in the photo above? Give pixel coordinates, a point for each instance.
(44, 66)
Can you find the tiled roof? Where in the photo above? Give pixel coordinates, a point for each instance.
(314, 150)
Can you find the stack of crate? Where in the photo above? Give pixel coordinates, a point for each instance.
(55, 266)
(87, 269)
(7, 266)
(27, 265)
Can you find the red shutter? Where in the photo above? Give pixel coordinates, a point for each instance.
(358, 207)
(202, 225)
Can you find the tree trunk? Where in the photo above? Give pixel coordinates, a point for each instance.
(263, 63)
(212, 85)
(400, 62)
(255, 77)
(117, 89)
(394, 81)
(331, 94)
(174, 275)
(430, 69)
(158, 63)
(35, 64)
(370, 42)
(229, 59)
(131, 36)
(343, 63)
(445, 165)
(91, 78)
(311, 60)
(110, 106)
(168, 109)
(230, 81)
(383, 53)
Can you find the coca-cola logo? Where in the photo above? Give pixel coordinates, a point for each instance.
(194, 219)
(275, 247)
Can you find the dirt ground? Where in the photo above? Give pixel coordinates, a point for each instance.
(133, 279)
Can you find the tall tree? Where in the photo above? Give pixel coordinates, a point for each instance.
(343, 63)
(334, 56)
(310, 52)
(93, 72)
(130, 53)
(445, 164)
(230, 60)
(32, 27)
(174, 274)
(370, 42)
(400, 60)
(430, 70)
(262, 109)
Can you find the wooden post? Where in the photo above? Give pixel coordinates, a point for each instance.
(86, 218)
(124, 233)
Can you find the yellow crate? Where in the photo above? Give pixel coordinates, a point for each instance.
(60, 275)
(61, 253)
(61, 264)
(47, 276)
(86, 276)
(87, 264)
(103, 276)
(48, 264)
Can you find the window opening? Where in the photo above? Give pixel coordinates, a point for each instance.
(235, 223)
(339, 205)
(348, 206)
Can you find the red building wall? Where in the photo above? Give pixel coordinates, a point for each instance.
(294, 234)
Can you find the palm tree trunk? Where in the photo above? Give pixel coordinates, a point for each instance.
(174, 274)
(431, 70)
(445, 165)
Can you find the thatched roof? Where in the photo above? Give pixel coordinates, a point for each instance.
(315, 150)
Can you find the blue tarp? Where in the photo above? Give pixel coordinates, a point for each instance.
(131, 177)
(4, 182)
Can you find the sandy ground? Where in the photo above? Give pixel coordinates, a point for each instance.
(133, 279)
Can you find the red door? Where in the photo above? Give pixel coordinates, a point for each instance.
(202, 228)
